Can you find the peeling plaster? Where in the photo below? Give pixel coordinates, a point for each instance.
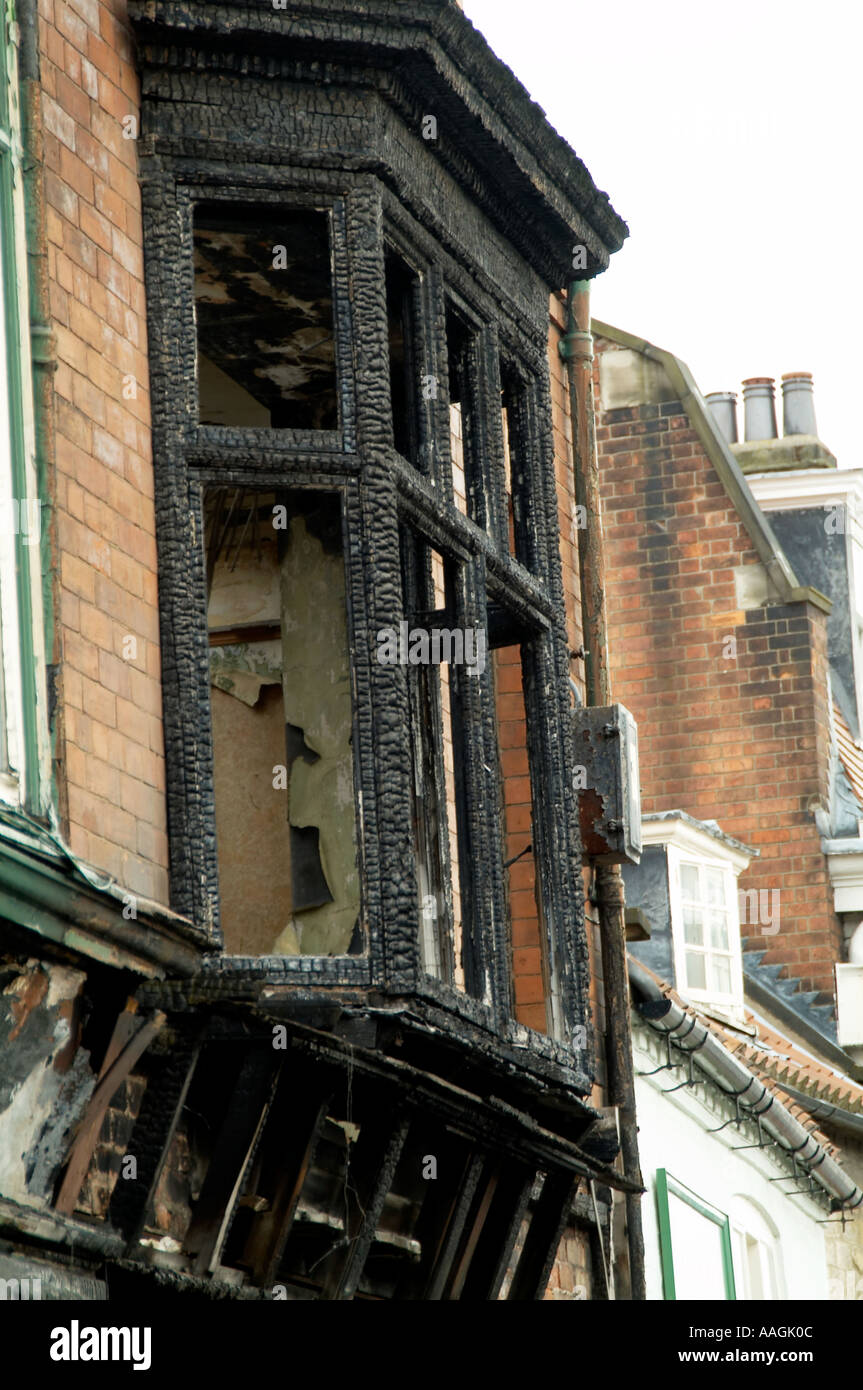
(45, 1078)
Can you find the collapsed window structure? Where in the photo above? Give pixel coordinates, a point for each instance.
(376, 1085)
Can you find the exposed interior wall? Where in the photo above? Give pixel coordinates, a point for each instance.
(728, 685)
(109, 743)
(282, 725)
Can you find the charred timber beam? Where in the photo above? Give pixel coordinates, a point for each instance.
(123, 1058)
(440, 1279)
(251, 1093)
(543, 1238)
(369, 1178)
(494, 1253)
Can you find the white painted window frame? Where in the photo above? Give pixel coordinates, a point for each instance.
(748, 1223)
(677, 857)
(687, 843)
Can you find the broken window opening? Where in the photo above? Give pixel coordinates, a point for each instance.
(402, 288)
(462, 355)
(281, 711)
(533, 976)
(515, 425)
(437, 762)
(264, 314)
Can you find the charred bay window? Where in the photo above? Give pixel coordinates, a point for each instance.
(264, 314)
(338, 823)
(281, 712)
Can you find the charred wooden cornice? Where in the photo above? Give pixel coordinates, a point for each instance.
(421, 56)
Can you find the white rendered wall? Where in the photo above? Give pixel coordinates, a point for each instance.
(672, 1134)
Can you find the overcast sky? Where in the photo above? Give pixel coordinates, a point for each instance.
(728, 137)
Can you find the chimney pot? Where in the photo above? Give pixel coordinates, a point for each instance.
(798, 404)
(759, 408)
(723, 408)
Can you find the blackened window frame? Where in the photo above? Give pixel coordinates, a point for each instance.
(381, 492)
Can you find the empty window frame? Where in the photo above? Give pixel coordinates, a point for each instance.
(281, 717)
(438, 654)
(264, 314)
(536, 997)
(516, 408)
(462, 341)
(402, 289)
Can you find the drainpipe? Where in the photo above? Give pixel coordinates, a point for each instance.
(577, 350)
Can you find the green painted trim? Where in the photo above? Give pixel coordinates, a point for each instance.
(728, 469)
(665, 1185)
(52, 898)
(664, 1216)
(14, 367)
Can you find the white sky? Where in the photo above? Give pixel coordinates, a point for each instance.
(728, 137)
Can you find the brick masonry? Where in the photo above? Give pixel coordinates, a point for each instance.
(731, 705)
(109, 740)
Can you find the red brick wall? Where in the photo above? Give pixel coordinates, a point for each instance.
(110, 746)
(736, 736)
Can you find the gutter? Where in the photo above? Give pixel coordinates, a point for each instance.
(723, 1068)
(822, 1110)
(718, 451)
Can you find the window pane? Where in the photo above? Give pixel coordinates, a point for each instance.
(696, 977)
(720, 974)
(693, 926)
(689, 882)
(282, 724)
(715, 882)
(696, 1247)
(718, 931)
(264, 310)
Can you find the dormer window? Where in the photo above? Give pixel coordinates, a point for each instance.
(707, 915)
(687, 884)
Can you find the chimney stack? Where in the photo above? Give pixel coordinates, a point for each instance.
(759, 408)
(723, 408)
(798, 404)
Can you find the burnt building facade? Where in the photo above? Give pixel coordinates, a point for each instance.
(335, 1022)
